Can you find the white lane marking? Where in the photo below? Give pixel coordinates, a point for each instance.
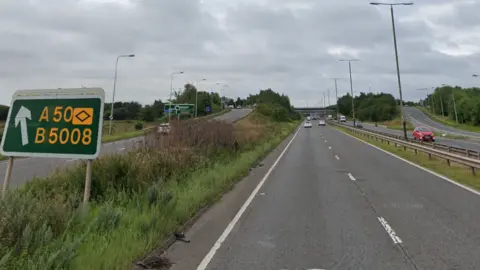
(121, 149)
(70, 160)
(351, 177)
(204, 263)
(337, 157)
(325, 140)
(415, 165)
(390, 231)
(329, 147)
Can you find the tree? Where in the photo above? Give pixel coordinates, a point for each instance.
(3, 112)
(369, 107)
(148, 113)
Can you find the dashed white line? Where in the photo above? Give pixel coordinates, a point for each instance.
(121, 149)
(329, 147)
(206, 260)
(390, 231)
(351, 177)
(325, 140)
(337, 157)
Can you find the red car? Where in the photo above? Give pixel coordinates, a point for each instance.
(423, 134)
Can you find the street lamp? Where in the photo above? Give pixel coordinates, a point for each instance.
(222, 93)
(396, 57)
(351, 84)
(114, 88)
(454, 103)
(171, 89)
(432, 101)
(196, 96)
(336, 95)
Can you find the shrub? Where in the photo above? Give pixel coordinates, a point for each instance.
(138, 126)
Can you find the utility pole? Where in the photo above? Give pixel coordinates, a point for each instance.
(454, 105)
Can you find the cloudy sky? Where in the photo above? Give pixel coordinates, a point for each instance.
(291, 46)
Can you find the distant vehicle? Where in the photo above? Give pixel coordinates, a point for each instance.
(308, 118)
(423, 134)
(343, 118)
(230, 106)
(321, 122)
(239, 107)
(307, 124)
(315, 117)
(329, 117)
(164, 128)
(358, 125)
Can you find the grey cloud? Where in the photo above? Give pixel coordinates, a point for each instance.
(282, 44)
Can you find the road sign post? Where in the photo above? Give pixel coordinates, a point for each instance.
(8, 176)
(60, 123)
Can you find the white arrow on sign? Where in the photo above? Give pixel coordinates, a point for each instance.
(21, 118)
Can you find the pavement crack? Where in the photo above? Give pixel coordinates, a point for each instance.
(398, 244)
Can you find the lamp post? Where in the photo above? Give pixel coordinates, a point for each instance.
(351, 84)
(170, 99)
(336, 95)
(196, 96)
(114, 89)
(396, 58)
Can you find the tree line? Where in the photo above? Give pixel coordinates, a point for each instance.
(274, 105)
(133, 110)
(369, 107)
(445, 98)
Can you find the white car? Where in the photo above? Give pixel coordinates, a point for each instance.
(321, 122)
(343, 119)
(307, 124)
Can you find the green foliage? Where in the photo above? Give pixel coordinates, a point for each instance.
(204, 99)
(3, 112)
(273, 105)
(138, 125)
(369, 107)
(467, 103)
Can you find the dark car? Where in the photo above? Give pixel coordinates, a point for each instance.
(423, 134)
(359, 125)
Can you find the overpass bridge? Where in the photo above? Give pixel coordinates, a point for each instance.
(319, 111)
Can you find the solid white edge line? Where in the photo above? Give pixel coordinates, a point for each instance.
(415, 165)
(337, 157)
(208, 258)
(351, 177)
(390, 231)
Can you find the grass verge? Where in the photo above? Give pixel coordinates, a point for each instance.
(449, 122)
(138, 198)
(456, 172)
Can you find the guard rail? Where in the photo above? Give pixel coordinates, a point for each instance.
(465, 157)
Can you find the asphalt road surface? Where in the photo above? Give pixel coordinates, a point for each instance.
(333, 202)
(438, 138)
(26, 169)
(418, 118)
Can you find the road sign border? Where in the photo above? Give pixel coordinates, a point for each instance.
(61, 93)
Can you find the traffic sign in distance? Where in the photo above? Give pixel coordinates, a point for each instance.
(61, 123)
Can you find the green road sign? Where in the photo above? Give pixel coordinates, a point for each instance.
(183, 109)
(63, 123)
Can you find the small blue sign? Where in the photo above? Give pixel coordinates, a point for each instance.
(208, 109)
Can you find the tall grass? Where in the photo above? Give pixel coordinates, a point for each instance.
(138, 198)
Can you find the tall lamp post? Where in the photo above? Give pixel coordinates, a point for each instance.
(171, 90)
(114, 89)
(336, 95)
(404, 123)
(196, 96)
(351, 84)
(222, 90)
